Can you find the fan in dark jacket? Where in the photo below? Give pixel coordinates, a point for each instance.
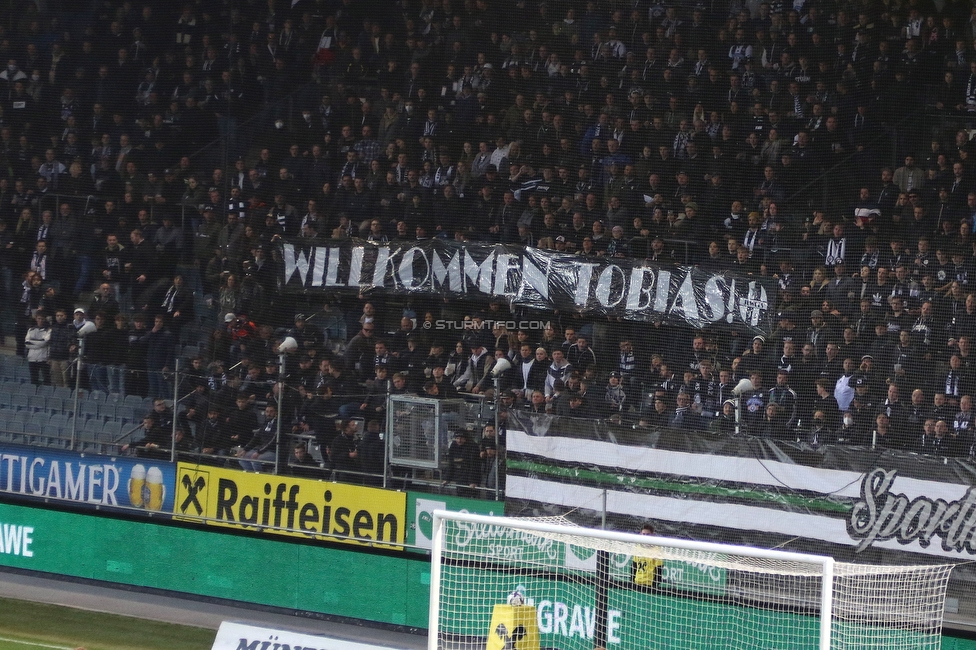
(463, 465)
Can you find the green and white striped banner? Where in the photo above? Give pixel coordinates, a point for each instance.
(857, 505)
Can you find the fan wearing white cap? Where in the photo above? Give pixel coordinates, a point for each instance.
(79, 320)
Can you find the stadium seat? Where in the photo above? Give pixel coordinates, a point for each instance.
(32, 433)
(125, 413)
(106, 411)
(45, 391)
(90, 431)
(18, 437)
(36, 404)
(64, 392)
(52, 437)
(110, 432)
(19, 402)
(53, 404)
(97, 395)
(27, 389)
(88, 409)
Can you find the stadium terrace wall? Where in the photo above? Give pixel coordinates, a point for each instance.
(114, 521)
(333, 580)
(262, 570)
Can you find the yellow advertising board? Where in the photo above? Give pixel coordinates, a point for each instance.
(285, 505)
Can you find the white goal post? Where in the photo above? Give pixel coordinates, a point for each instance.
(504, 583)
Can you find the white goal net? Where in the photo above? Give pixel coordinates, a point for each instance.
(529, 584)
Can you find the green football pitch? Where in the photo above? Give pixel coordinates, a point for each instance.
(11, 644)
(33, 626)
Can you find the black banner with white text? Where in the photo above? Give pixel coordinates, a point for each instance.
(628, 289)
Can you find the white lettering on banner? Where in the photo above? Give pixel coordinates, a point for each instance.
(479, 274)
(583, 283)
(685, 304)
(754, 304)
(295, 261)
(16, 540)
(318, 268)
(883, 515)
(405, 271)
(505, 264)
(31, 482)
(639, 295)
(534, 277)
(555, 617)
(39, 476)
(714, 300)
(451, 272)
(73, 489)
(604, 287)
(94, 480)
(332, 274)
(529, 277)
(674, 572)
(730, 307)
(468, 533)
(663, 288)
(356, 266)
(383, 262)
(237, 636)
(54, 481)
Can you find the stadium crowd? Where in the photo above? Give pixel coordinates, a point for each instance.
(758, 138)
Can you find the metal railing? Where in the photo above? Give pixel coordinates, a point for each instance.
(831, 186)
(96, 422)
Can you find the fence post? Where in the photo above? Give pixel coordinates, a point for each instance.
(498, 403)
(176, 406)
(74, 420)
(387, 439)
(603, 510)
(281, 410)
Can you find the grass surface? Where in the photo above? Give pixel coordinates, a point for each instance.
(8, 644)
(34, 626)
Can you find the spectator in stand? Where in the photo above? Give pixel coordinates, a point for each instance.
(63, 344)
(633, 173)
(260, 451)
(37, 342)
(463, 465)
(343, 453)
(154, 442)
(160, 352)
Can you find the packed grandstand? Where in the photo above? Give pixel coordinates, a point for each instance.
(155, 159)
